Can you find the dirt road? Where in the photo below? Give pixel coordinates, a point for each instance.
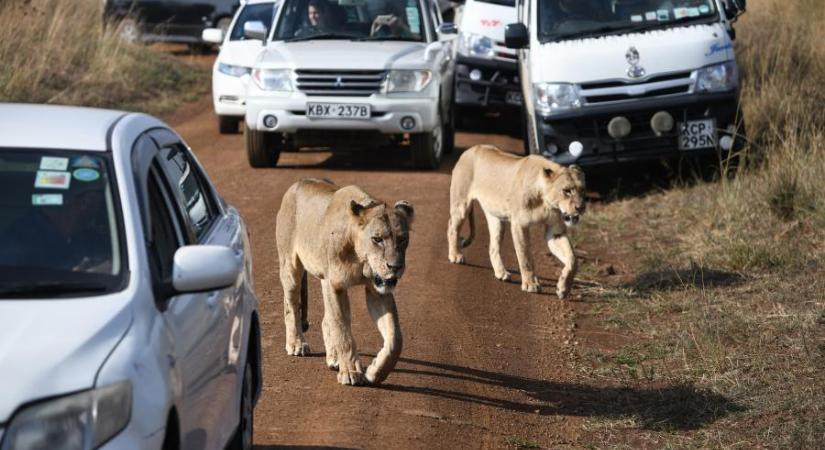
(484, 365)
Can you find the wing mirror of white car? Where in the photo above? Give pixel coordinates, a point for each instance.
(432, 49)
(515, 36)
(212, 35)
(447, 29)
(199, 268)
(254, 30)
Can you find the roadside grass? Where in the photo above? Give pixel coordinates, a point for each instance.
(62, 52)
(724, 286)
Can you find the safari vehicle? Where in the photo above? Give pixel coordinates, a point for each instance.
(486, 71)
(610, 81)
(179, 21)
(352, 74)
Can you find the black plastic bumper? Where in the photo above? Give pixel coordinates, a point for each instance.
(588, 125)
(498, 78)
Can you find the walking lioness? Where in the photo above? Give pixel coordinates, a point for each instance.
(523, 191)
(343, 237)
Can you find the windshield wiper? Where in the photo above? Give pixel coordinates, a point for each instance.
(591, 33)
(386, 38)
(28, 290)
(320, 36)
(679, 21)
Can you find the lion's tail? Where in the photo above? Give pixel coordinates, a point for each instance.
(304, 303)
(465, 242)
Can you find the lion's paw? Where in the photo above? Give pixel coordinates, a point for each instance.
(297, 349)
(457, 259)
(531, 286)
(504, 277)
(332, 363)
(350, 377)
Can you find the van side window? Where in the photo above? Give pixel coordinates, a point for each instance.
(192, 190)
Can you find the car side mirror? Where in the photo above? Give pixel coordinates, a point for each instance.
(432, 49)
(515, 36)
(448, 28)
(734, 8)
(212, 35)
(254, 30)
(199, 268)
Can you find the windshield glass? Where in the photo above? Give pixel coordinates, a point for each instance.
(569, 19)
(500, 2)
(259, 12)
(59, 232)
(351, 19)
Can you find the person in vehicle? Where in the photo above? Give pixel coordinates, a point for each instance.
(392, 21)
(318, 19)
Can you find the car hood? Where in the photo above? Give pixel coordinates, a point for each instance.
(344, 54)
(240, 53)
(604, 58)
(54, 347)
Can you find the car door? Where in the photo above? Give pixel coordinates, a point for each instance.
(443, 62)
(202, 322)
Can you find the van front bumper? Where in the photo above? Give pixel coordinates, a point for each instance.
(497, 85)
(588, 125)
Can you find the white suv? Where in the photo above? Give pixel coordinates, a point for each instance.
(352, 74)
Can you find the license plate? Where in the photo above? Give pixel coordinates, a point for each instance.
(697, 134)
(337, 111)
(513, 97)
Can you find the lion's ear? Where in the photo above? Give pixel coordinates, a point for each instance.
(404, 207)
(578, 170)
(356, 208)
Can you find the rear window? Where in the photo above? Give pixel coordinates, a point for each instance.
(60, 226)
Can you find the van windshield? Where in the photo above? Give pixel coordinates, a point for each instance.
(574, 19)
(303, 20)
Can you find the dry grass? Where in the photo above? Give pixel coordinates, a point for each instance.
(726, 289)
(61, 52)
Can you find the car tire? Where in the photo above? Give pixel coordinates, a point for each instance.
(449, 133)
(262, 148)
(242, 440)
(229, 124)
(428, 148)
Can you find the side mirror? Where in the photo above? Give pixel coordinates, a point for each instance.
(254, 30)
(734, 8)
(432, 49)
(199, 268)
(212, 35)
(515, 36)
(448, 28)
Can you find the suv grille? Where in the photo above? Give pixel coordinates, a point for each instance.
(614, 91)
(352, 83)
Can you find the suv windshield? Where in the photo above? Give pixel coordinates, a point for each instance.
(350, 19)
(59, 232)
(258, 12)
(571, 19)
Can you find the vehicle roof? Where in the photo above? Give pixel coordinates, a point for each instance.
(55, 127)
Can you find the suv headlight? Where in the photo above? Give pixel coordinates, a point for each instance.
(407, 80)
(234, 71)
(717, 78)
(79, 421)
(552, 97)
(471, 44)
(273, 80)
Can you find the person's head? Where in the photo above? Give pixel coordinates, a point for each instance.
(315, 13)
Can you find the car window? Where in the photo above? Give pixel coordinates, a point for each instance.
(191, 187)
(165, 239)
(259, 12)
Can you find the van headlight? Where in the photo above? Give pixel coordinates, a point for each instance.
(407, 80)
(273, 80)
(471, 44)
(717, 78)
(84, 420)
(234, 71)
(551, 97)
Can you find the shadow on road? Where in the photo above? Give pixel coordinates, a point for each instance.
(694, 276)
(298, 447)
(677, 407)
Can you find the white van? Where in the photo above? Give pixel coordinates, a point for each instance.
(350, 74)
(486, 71)
(623, 80)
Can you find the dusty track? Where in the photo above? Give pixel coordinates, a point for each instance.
(484, 365)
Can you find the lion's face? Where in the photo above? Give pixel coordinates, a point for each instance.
(564, 190)
(381, 241)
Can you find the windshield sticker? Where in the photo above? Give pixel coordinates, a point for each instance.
(663, 15)
(52, 163)
(52, 180)
(84, 161)
(85, 174)
(650, 15)
(693, 12)
(352, 2)
(47, 199)
(412, 18)
(716, 47)
(679, 13)
(636, 18)
(704, 9)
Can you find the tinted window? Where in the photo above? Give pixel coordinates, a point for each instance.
(191, 187)
(60, 231)
(259, 12)
(164, 235)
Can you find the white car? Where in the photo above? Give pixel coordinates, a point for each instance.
(235, 59)
(127, 314)
(352, 74)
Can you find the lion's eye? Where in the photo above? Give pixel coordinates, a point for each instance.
(568, 192)
(377, 240)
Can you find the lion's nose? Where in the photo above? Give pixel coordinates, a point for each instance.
(394, 268)
(580, 209)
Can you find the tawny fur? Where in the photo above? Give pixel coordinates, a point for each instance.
(523, 191)
(343, 237)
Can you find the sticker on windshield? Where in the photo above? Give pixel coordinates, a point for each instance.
(85, 174)
(47, 199)
(650, 15)
(412, 18)
(47, 179)
(84, 161)
(704, 9)
(663, 15)
(352, 2)
(679, 13)
(693, 12)
(52, 163)
(636, 18)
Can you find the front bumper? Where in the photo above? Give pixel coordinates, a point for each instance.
(588, 125)
(497, 87)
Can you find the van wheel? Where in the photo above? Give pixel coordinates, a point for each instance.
(428, 148)
(449, 133)
(242, 440)
(262, 148)
(228, 124)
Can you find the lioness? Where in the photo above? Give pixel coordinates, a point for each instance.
(523, 191)
(343, 237)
